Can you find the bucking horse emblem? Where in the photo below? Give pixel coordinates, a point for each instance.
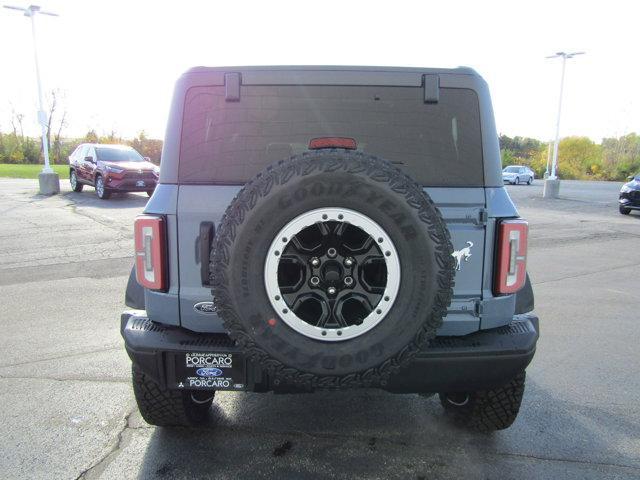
(462, 254)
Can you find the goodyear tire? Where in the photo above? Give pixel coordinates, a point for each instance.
(364, 244)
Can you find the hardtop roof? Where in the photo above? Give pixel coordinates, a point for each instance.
(462, 70)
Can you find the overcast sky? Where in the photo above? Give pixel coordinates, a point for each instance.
(116, 61)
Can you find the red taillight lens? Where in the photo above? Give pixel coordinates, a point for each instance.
(511, 265)
(150, 242)
(332, 142)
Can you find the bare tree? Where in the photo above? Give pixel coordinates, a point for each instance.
(57, 143)
(17, 118)
(57, 101)
(52, 109)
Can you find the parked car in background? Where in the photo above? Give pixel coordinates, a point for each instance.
(517, 174)
(111, 168)
(630, 195)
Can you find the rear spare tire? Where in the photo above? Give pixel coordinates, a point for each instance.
(332, 269)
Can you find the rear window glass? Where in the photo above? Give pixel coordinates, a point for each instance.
(230, 142)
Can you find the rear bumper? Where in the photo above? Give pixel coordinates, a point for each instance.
(482, 360)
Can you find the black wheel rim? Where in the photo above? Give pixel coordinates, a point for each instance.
(332, 274)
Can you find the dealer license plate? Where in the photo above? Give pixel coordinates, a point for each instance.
(139, 183)
(206, 371)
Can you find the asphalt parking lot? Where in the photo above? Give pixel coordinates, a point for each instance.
(68, 410)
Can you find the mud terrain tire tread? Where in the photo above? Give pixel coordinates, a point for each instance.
(164, 407)
(331, 161)
(489, 410)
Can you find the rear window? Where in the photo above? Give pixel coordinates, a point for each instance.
(230, 142)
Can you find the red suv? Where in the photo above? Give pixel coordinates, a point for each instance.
(111, 168)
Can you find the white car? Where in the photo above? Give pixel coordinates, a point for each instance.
(517, 174)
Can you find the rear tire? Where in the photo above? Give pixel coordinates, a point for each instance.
(486, 410)
(624, 211)
(101, 190)
(150, 192)
(76, 186)
(530, 181)
(163, 407)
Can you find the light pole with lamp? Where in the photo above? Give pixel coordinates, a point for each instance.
(552, 184)
(48, 179)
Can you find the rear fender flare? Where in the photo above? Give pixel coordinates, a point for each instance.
(134, 295)
(524, 298)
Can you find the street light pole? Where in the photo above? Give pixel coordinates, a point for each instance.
(552, 184)
(49, 181)
(546, 170)
(42, 116)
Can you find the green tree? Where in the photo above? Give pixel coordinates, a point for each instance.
(508, 158)
(621, 156)
(147, 147)
(90, 137)
(579, 158)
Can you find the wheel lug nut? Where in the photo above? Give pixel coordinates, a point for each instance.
(332, 252)
(348, 261)
(348, 281)
(331, 290)
(315, 281)
(315, 261)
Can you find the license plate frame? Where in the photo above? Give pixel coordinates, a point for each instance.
(209, 371)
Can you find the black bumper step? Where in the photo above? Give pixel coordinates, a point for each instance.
(481, 360)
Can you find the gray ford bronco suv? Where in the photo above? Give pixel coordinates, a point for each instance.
(330, 228)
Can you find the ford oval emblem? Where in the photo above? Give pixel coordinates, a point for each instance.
(205, 307)
(209, 372)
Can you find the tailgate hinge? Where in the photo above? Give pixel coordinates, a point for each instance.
(483, 216)
(479, 310)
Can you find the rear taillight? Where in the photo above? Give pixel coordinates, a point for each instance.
(511, 265)
(332, 142)
(150, 242)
